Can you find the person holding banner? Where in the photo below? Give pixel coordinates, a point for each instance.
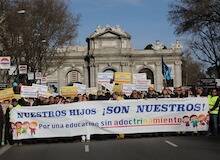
(213, 100)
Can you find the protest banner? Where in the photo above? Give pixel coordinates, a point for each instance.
(110, 117)
(122, 77)
(128, 88)
(81, 88)
(68, 91)
(6, 94)
(105, 77)
(29, 91)
(5, 62)
(22, 69)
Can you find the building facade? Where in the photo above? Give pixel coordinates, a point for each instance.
(109, 50)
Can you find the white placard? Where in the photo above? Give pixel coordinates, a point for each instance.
(29, 91)
(22, 69)
(12, 70)
(5, 62)
(143, 86)
(81, 88)
(91, 90)
(108, 86)
(30, 75)
(217, 82)
(43, 80)
(38, 75)
(42, 90)
(105, 77)
(139, 78)
(111, 117)
(128, 88)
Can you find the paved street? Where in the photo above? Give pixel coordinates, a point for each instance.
(154, 148)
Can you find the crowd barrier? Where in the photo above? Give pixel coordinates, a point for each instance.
(110, 117)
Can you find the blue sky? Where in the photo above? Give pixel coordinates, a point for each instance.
(145, 20)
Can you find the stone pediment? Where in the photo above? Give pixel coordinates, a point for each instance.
(109, 31)
(108, 35)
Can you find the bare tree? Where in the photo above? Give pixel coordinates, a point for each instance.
(190, 66)
(200, 20)
(34, 36)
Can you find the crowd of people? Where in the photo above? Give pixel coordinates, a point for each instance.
(178, 92)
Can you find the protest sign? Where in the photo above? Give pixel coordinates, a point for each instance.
(6, 94)
(42, 90)
(68, 91)
(128, 88)
(117, 88)
(122, 77)
(81, 88)
(91, 90)
(43, 80)
(29, 91)
(22, 69)
(105, 77)
(13, 70)
(111, 117)
(30, 75)
(139, 78)
(38, 75)
(108, 86)
(5, 62)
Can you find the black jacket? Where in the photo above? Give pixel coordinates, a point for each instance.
(2, 117)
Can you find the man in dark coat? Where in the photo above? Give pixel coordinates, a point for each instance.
(2, 122)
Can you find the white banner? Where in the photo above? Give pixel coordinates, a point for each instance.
(105, 77)
(29, 91)
(110, 117)
(5, 62)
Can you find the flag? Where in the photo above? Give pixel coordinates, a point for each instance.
(166, 71)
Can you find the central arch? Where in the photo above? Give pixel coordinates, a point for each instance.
(73, 76)
(149, 73)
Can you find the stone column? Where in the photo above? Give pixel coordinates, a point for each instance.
(177, 73)
(132, 67)
(158, 80)
(96, 73)
(85, 72)
(92, 76)
(61, 77)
